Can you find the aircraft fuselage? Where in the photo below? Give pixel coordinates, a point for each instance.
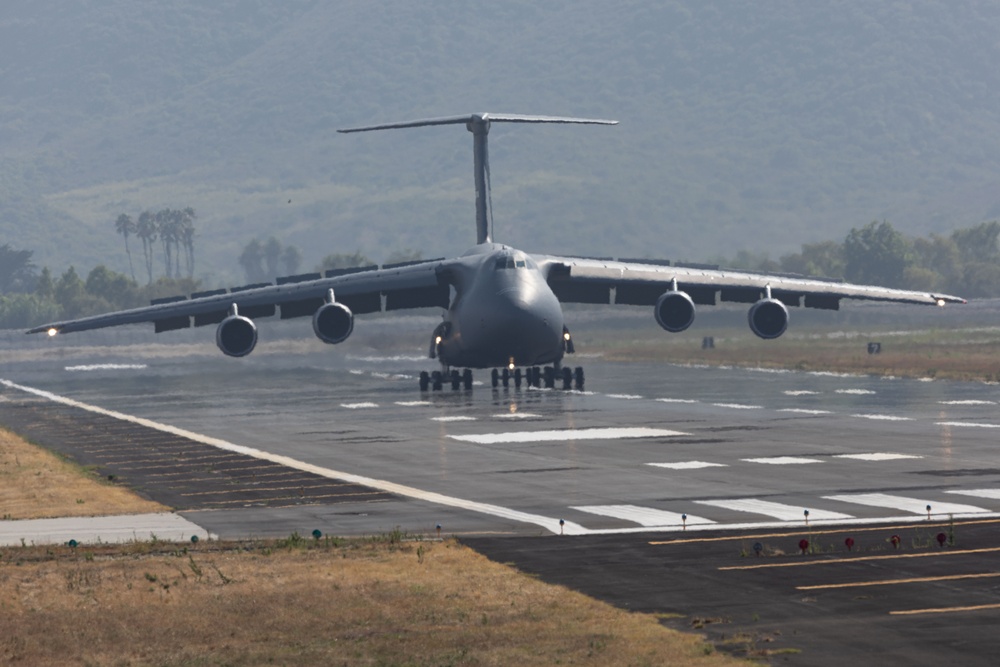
(503, 312)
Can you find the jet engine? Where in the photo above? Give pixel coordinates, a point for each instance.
(333, 323)
(768, 318)
(674, 311)
(236, 336)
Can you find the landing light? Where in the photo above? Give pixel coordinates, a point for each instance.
(437, 341)
(53, 331)
(940, 302)
(566, 335)
(510, 364)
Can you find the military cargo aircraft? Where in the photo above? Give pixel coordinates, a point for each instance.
(502, 306)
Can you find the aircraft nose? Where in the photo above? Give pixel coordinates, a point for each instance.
(528, 329)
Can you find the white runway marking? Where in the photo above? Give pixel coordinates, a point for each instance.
(627, 397)
(677, 400)
(97, 529)
(516, 415)
(548, 523)
(968, 402)
(776, 510)
(106, 367)
(800, 392)
(973, 425)
(453, 418)
(991, 494)
(804, 411)
(644, 516)
(413, 404)
(688, 465)
(566, 434)
(914, 505)
(366, 405)
(886, 418)
(783, 460)
(737, 406)
(856, 392)
(877, 456)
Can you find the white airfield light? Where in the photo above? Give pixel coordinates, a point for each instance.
(52, 331)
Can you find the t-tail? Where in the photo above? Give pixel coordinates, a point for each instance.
(479, 125)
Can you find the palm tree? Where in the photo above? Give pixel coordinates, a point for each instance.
(145, 229)
(166, 225)
(187, 238)
(124, 225)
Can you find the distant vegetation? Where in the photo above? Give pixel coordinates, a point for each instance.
(742, 125)
(965, 263)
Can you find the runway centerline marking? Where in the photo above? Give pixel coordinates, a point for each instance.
(561, 435)
(857, 559)
(877, 456)
(783, 460)
(688, 465)
(364, 405)
(944, 610)
(887, 418)
(973, 425)
(737, 406)
(553, 525)
(806, 411)
(453, 418)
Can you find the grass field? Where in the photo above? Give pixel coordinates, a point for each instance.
(385, 600)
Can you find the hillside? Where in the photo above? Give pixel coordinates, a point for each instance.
(743, 125)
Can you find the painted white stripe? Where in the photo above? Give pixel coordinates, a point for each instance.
(804, 411)
(963, 424)
(877, 456)
(548, 523)
(969, 402)
(628, 397)
(413, 404)
(516, 415)
(676, 400)
(453, 418)
(106, 367)
(991, 494)
(776, 510)
(366, 405)
(783, 460)
(688, 465)
(567, 434)
(885, 418)
(914, 505)
(737, 406)
(644, 516)
(856, 392)
(800, 392)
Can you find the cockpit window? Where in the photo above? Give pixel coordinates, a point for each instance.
(519, 263)
(511, 263)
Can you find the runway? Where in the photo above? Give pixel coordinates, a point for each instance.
(644, 448)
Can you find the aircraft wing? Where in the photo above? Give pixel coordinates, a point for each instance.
(407, 285)
(641, 282)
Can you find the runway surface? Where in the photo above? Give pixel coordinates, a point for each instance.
(643, 448)
(670, 476)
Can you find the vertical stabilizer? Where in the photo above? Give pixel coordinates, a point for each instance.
(479, 125)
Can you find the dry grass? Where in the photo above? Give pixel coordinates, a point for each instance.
(36, 484)
(373, 602)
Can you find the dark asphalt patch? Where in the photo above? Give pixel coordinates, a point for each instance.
(916, 604)
(176, 471)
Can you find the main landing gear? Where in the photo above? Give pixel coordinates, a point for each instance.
(549, 377)
(535, 377)
(438, 379)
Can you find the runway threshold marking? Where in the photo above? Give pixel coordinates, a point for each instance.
(892, 582)
(644, 516)
(553, 525)
(858, 559)
(915, 505)
(772, 509)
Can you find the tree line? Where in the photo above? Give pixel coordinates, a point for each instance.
(965, 263)
(174, 228)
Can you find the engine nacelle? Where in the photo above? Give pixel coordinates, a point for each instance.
(236, 336)
(674, 311)
(333, 323)
(768, 318)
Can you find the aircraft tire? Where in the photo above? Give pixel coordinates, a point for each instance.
(567, 377)
(425, 380)
(467, 379)
(495, 377)
(517, 378)
(550, 377)
(578, 378)
(436, 380)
